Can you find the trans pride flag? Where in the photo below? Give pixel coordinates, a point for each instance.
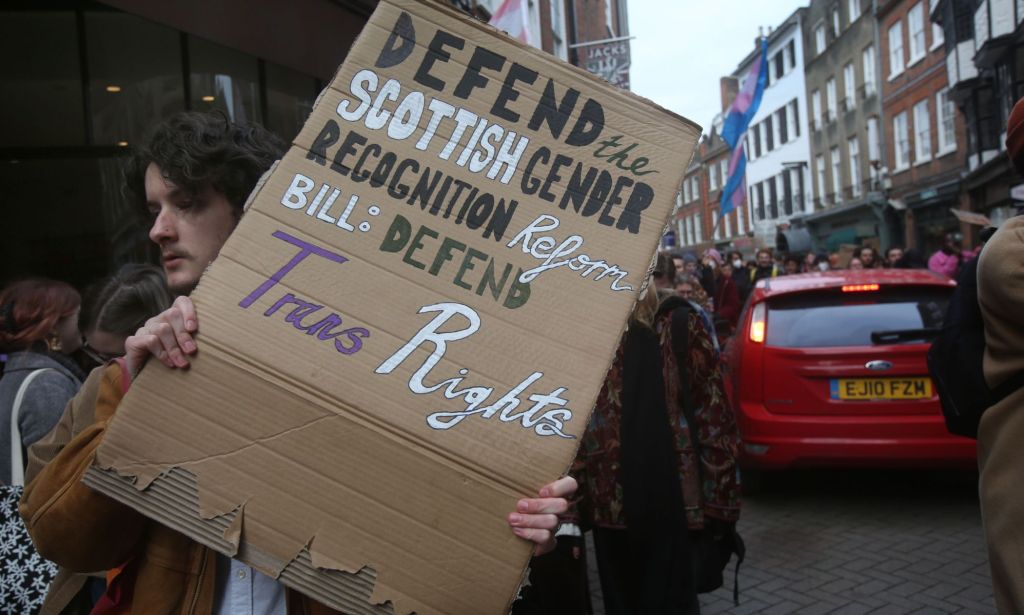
(734, 193)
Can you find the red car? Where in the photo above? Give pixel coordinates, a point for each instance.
(828, 369)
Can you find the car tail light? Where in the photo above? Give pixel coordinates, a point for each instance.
(859, 288)
(757, 323)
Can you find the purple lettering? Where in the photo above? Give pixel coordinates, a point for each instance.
(305, 249)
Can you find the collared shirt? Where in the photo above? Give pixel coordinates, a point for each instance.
(242, 590)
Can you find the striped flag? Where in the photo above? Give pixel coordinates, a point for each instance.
(743, 108)
(513, 17)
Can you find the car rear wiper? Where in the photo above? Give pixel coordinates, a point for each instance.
(904, 335)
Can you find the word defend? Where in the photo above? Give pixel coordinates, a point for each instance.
(548, 422)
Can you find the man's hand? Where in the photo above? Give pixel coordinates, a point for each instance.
(536, 519)
(167, 336)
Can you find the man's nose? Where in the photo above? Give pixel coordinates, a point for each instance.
(164, 227)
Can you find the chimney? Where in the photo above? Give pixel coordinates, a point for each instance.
(728, 87)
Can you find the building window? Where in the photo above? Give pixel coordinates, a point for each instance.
(819, 167)
(849, 87)
(793, 117)
(939, 37)
(723, 165)
(713, 177)
(854, 7)
(896, 49)
(816, 109)
(769, 138)
(837, 180)
(223, 80)
(48, 83)
(835, 23)
(797, 189)
(780, 121)
(901, 142)
(290, 97)
(830, 98)
(759, 194)
(874, 146)
(922, 133)
(773, 198)
(779, 64)
(686, 191)
(945, 122)
(791, 54)
(696, 187)
(698, 229)
(853, 149)
(868, 60)
(915, 22)
(786, 189)
(728, 225)
(756, 132)
(819, 39)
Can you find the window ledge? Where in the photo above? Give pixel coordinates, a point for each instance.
(945, 152)
(914, 61)
(919, 161)
(936, 45)
(893, 76)
(898, 170)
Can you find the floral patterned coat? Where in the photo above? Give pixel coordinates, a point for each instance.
(598, 463)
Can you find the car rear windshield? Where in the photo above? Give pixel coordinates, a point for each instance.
(904, 315)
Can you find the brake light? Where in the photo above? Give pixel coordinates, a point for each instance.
(757, 324)
(859, 288)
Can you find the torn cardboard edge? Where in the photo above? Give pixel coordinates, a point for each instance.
(173, 498)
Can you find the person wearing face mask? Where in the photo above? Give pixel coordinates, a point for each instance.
(821, 263)
(740, 275)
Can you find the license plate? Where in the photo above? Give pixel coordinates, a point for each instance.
(864, 389)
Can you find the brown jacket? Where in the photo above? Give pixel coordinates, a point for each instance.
(1001, 295)
(84, 531)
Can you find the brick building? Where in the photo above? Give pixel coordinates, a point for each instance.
(984, 40)
(924, 150)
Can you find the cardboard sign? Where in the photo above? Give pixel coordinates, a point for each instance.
(409, 327)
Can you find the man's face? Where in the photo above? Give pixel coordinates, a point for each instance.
(189, 228)
(867, 257)
(690, 267)
(678, 262)
(685, 290)
(894, 255)
(764, 259)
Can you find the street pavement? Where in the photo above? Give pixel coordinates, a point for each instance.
(853, 541)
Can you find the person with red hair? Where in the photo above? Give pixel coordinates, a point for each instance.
(38, 330)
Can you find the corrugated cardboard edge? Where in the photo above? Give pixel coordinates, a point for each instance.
(173, 498)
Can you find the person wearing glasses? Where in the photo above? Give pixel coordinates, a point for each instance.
(113, 309)
(118, 306)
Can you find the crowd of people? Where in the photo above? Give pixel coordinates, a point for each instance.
(720, 285)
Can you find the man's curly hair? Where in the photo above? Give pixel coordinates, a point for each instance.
(195, 150)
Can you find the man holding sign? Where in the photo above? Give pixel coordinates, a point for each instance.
(193, 178)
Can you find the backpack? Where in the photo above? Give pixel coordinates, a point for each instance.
(955, 360)
(713, 546)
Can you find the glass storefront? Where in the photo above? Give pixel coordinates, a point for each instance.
(81, 87)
